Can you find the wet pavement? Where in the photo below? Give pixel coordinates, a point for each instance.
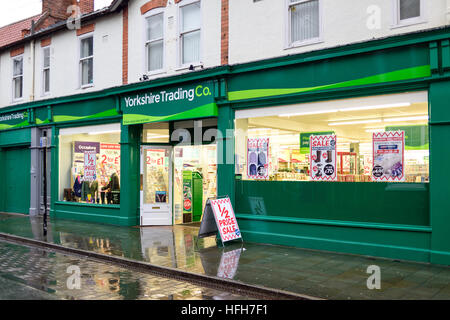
(36, 274)
(315, 273)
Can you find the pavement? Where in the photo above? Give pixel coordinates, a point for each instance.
(315, 273)
(34, 274)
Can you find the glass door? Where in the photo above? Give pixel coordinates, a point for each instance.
(156, 185)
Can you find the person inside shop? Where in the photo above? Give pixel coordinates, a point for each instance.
(112, 188)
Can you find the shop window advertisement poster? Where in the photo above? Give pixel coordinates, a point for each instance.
(388, 156)
(90, 166)
(323, 158)
(258, 158)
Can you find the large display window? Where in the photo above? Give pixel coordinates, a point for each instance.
(378, 138)
(89, 164)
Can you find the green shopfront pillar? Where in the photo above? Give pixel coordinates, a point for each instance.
(439, 99)
(225, 152)
(129, 174)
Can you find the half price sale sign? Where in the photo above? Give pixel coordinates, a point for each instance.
(225, 219)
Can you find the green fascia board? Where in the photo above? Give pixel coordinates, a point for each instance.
(208, 110)
(107, 113)
(398, 75)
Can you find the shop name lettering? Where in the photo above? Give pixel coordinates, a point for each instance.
(165, 96)
(13, 116)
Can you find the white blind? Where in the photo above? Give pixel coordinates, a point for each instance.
(304, 20)
(190, 33)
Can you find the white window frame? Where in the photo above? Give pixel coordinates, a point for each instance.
(14, 77)
(397, 23)
(180, 34)
(80, 69)
(149, 14)
(287, 19)
(44, 68)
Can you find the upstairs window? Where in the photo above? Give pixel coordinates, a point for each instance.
(408, 11)
(304, 21)
(190, 33)
(46, 70)
(155, 42)
(87, 61)
(17, 78)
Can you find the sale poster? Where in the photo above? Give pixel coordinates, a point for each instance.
(258, 158)
(109, 161)
(388, 156)
(322, 150)
(225, 219)
(90, 166)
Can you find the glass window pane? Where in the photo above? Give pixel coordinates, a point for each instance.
(156, 176)
(46, 57)
(18, 87)
(191, 47)
(409, 9)
(18, 66)
(155, 27)
(87, 71)
(47, 80)
(87, 47)
(156, 132)
(89, 164)
(304, 21)
(354, 126)
(155, 55)
(191, 17)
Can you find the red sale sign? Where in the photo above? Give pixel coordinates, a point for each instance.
(225, 219)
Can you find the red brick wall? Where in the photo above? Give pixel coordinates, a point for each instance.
(16, 51)
(125, 45)
(86, 6)
(152, 4)
(224, 41)
(86, 29)
(46, 42)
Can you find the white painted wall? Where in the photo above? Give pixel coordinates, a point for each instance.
(258, 29)
(210, 38)
(64, 63)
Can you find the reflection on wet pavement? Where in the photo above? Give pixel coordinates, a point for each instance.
(30, 273)
(315, 273)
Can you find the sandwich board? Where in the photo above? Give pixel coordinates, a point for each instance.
(218, 216)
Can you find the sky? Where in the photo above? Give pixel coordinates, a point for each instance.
(15, 10)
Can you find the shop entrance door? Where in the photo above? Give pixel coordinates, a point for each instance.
(156, 185)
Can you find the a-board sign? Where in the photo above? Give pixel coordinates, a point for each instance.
(219, 216)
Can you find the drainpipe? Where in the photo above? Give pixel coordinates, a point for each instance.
(33, 63)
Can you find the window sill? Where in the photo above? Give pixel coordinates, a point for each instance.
(87, 86)
(407, 24)
(80, 204)
(303, 44)
(186, 67)
(17, 101)
(155, 72)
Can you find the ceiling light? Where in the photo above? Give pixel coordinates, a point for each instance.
(104, 132)
(406, 119)
(381, 106)
(375, 130)
(354, 122)
(308, 113)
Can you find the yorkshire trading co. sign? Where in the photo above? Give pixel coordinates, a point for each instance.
(183, 102)
(13, 120)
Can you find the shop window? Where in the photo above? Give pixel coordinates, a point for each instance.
(155, 42)
(89, 164)
(17, 78)
(366, 132)
(190, 33)
(46, 70)
(87, 61)
(303, 21)
(156, 132)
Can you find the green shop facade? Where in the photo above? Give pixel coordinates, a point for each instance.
(134, 139)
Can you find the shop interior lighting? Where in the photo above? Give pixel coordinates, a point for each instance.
(406, 119)
(381, 106)
(104, 132)
(354, 122)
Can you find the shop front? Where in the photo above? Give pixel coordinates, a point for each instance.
(338, 153)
